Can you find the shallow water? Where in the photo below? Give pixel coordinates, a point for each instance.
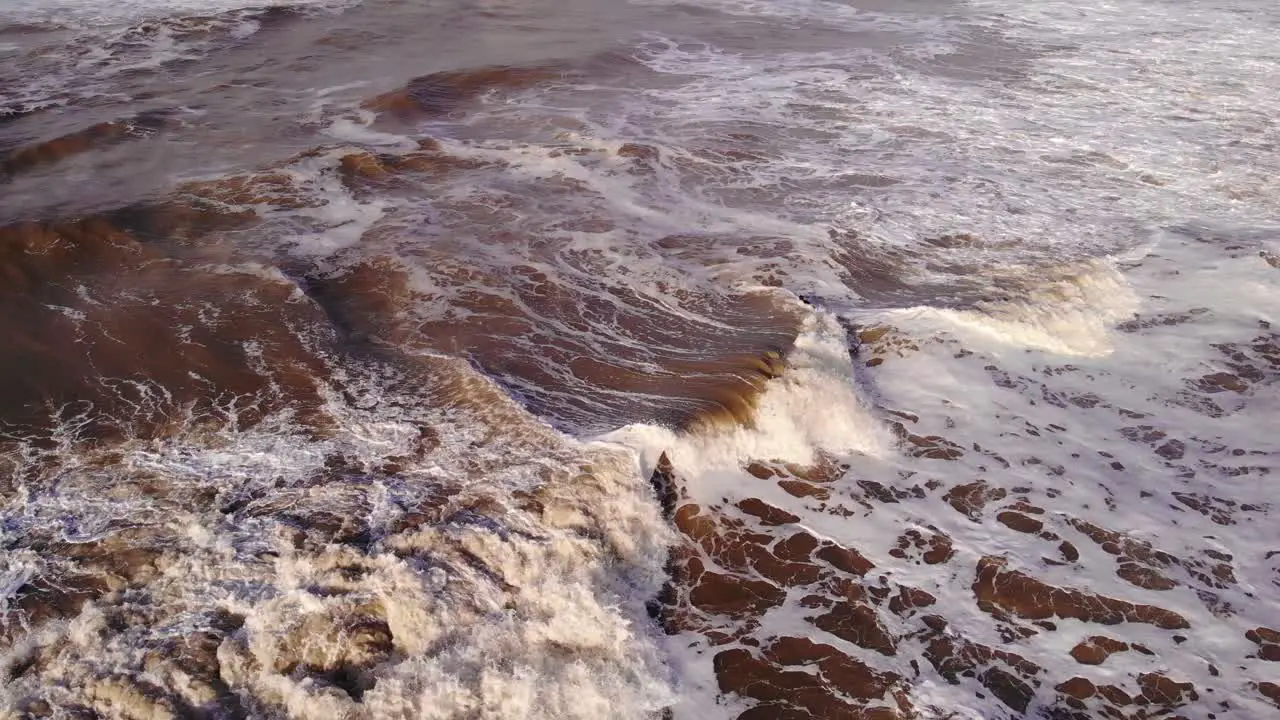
(719, 358)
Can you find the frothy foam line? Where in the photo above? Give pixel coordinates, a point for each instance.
(89, 13)
(417, 612)
(1071, 315)
(814, 406)
(115, 39)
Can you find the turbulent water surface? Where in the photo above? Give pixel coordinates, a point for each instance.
(698, 359)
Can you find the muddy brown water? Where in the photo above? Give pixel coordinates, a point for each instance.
(309, 314)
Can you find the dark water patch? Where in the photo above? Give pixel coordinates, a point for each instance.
(362, 301)
(17, 111)
(18, 29)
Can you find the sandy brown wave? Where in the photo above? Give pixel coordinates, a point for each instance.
(95, 137)
(445, 92)
(98, 323)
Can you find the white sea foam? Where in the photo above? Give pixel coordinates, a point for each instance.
(1098, 187)
(1107, 161)
(89, 12)
(109, 40)
(1104, 476)
(1020, 150)
(814, 406)
(519, 614)
(1070, 315)
(1060, 414)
